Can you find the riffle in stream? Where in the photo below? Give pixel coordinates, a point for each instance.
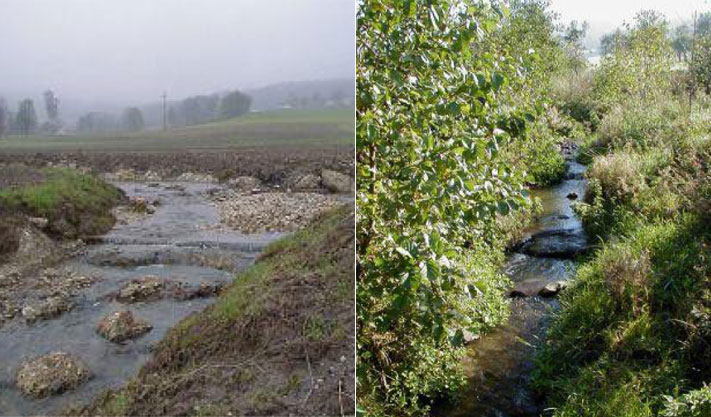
(182, 241)
(498, 366)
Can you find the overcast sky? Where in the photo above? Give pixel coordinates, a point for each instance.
(606, 15)
(135, 49)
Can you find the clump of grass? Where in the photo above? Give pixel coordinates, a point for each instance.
(75, 204)
(619, 177)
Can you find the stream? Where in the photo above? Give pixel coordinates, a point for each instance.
(182, 241)
(498, 366)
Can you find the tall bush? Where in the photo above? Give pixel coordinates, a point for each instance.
(431, 179)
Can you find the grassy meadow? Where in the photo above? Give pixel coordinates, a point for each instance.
(284, 128)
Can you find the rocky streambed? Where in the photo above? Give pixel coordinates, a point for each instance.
(499, 365)
(89, 322)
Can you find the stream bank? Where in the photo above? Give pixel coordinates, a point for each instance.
(182, 248)
(498, 366)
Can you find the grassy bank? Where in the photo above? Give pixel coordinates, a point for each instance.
(290, 128)
(633, 336)
(74, 204)
(278, 341)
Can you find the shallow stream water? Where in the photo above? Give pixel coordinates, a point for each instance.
(498, 366)
(182, 241)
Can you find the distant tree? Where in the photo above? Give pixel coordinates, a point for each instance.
(26, 120)
(96, 122)
(337, 97)
(4, 117)
(682, 42)
(51, 105)
(199, 109)
(612, 40)
(703, 24)
(700, 65)
(573, 37)
(235, 104)
(132, 120)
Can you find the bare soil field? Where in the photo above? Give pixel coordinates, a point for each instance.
(270, 165)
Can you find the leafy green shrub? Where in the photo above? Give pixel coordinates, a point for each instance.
(432, 179)
(638, 69)
(696, 403)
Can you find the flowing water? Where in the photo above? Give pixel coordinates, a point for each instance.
(183, 241)
(498, 366)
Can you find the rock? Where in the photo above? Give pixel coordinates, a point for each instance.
(336, 182)
(121, 325)
(175, 187)
(202, 291)
(553, 288)
(142, 205)
(572, 196)
(196, 177)
(47, 309)
(51, 374)
(38, 222)
(516, 293)
(469, 337)
(125, 175)
(244, 183)
(307, 182)
(151, 176)
(142, 289)
(138, 204)
(556, 243)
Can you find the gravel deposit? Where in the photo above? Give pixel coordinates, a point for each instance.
(273, 212)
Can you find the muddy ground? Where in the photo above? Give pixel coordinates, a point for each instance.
(272, 166)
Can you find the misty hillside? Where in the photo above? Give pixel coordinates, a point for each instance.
(277, 95)
(334, 93)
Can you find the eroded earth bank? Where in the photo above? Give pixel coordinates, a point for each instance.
(93, 277)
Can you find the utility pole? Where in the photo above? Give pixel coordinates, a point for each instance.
(165, 124)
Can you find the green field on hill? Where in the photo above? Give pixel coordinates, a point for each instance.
(311, 128)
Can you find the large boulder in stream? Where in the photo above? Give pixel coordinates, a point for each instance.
(51, 374)
(121, 326)
(557, 243)
(553, 288)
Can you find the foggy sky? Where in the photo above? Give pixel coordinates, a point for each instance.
(133, 50)
(605, 16)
